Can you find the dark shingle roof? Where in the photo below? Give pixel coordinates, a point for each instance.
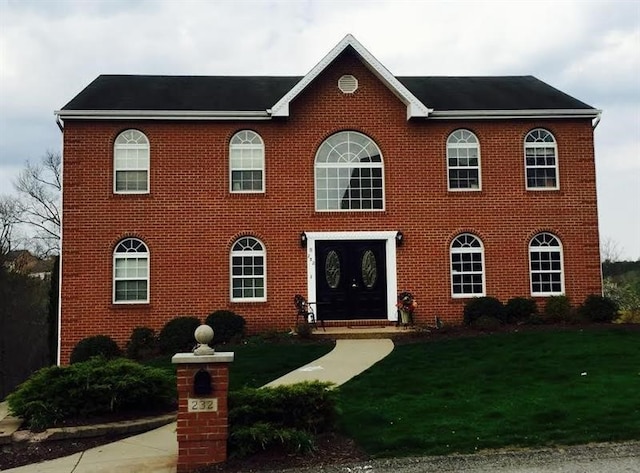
(255, 93)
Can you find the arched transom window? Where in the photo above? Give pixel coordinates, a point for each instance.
(541, 160)
(545, 259)
(246, 162)
(248, 270)
(131, 272)
(349, 173)
(131, 163)
(463, 161)
(467, 266)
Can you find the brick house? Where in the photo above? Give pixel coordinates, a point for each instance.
(184, 195)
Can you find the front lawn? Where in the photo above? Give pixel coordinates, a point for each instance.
(258, 362)
(517, 389)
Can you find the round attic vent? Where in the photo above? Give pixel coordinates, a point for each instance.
(348, 84)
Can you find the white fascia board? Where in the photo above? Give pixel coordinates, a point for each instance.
(415, 108)
(162, 115)
(502, 114)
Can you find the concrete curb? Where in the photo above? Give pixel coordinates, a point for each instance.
(135, 426)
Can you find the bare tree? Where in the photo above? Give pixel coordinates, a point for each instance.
(609, 250)
(8, 220)
(38, 201)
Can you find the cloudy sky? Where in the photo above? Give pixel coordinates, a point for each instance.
(50, 50)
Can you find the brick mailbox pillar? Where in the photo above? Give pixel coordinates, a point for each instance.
(203, 384)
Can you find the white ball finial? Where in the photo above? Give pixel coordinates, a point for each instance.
(203, 335)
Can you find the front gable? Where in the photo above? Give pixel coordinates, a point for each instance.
(415, 108)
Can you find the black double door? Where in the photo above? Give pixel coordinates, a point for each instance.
(351, 279)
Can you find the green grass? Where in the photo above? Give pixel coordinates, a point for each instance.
(519, 389)
(258, 362)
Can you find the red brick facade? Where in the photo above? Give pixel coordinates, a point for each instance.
(189, 219)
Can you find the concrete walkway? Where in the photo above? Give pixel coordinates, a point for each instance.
(156, 451)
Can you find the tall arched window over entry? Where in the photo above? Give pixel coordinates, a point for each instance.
(349, 173)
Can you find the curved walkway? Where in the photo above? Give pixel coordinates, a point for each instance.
(156, 451)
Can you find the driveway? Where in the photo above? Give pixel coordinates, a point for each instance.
(596, 458)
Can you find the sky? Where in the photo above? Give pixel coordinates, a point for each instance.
(50, 50)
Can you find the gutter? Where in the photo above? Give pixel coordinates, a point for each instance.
(506, 114)
(162, 115)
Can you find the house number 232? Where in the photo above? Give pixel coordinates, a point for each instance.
(202, 405)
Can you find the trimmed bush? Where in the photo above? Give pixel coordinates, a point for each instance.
(520, 309)
(598, 309)
(483, 307)
(283, 416)
(92, 388)
(558, 309)
(227, 326)
(142, 344)
(98, 345)
(177, 335)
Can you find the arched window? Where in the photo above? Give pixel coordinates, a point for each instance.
(246, 162)
(131, 272)
(131, 163)
(248, 270)
(349, 173)
(541, 160)
(545, 259)
(463, 161)
(467, 266)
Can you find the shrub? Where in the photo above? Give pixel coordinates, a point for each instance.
(558, 309)
(598, 309)
(177, 335)
(98, 345)
(520, 309)
(286, 416)
(227, 326)
(483, 306)
(628, 316)
(142, 344)
(92, 388)
(486, 322)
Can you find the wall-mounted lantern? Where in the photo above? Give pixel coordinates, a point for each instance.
(303, 240)
(399, 238)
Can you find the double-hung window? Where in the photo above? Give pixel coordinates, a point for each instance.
(467, 266)
(248, 270)
(131, 272)
(246, 162)
(463, 161)
(545, 259)
(541, 160)
(131, 163)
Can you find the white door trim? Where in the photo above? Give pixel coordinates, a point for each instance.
(390, 252)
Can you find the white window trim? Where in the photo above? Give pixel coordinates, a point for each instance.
(247, 146)
(560, 249)
(453, 251)
(478, 167)
(132, 146)
(263, 253)
(123, 257)
(345, 165)
(390, 259)
(553, 145)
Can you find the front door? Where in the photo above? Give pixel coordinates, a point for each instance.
(351, 279)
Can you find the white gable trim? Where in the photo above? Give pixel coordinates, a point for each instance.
(415, 108)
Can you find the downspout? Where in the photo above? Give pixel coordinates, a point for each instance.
(61, 127)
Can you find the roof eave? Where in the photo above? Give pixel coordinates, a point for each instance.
(504, 114)
(162, 115)
(415, 108)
